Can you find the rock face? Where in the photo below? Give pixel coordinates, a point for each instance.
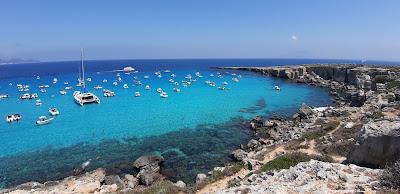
(378, 144)
(311, 177)
(145, 160)
(149, 169)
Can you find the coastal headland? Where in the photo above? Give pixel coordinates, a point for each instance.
(338, 149)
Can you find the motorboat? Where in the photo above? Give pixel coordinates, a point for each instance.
(177, 90)
(115, 83)
(211, 75)
(89, 79)
(159, 90)
(63, 92)
(173, 75)
(3, 96)
(125, 86)
(221, 88)
(66, 83)
(225, 83)
(277, 88)
(137, 94)
(188, 76)
(164, 95)
(43, 90)
(119, 79)
(171, 80)
(44, 86)
(147, 87)
(157, 73)
(105, 81)
(13, 117)
(43, 120)
(68, 88)
(198, 74)
(54, 112)
(39, 103)
(159, 76)
(137, 82)
(235, 79)
(37, 77)
(98, 87)
(34, 95)
(84, 97)
(55, 80)
(167, 71)
(25, 96)
(146, 77)
(108, 93)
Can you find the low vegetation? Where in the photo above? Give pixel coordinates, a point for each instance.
(312, 135)
(393, 84)
(377, 115)
(164, 187)
(227, 171)
(288, 160)
(391, 176)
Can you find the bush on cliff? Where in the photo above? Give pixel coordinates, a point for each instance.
(391, 176)
(291, 159)
(393, 84)
(166, 187)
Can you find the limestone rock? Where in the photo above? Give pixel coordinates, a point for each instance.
(145, 160)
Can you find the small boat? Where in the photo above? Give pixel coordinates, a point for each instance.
(167, 71)
(68, 88)
(34, 95)
(146, 77)
(225, 83)
(277, 88)
(44, 86)
(188, 76)
(164, 95)
(198, 74)
(89, 79)
(235, 79)
(119, 79)
(137, 94)
(173, 75)
(98, 87)
(43, 120)
(43, 90)
(211, 75)
(159, 90)
(171, 80)
(38, 77)
(3, 96)
(157, 73)
(159, 76)
(115, 83)
(108, 93)
(137, 82)
(176, 83)
(128, 69)
(177, 90)
(13, 117)
(66, 83)
(147, 87)
(105, 81)
(126, 86)
(39, 103)
(25, 96)
(55, 80)
(221, 88)
(54, 112)
(63, 92)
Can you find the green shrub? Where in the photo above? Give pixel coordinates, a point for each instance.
(163, 187)
(228, 171)
(291, 159)
(391, 176)
(311, 135)
(233, 183)
(393, 84)
(377, 115)
(331, 125)
(381, 79)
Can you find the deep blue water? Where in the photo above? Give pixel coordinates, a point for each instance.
(194, 130)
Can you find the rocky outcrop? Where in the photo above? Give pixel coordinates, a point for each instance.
(149, 169)
(378, 144)
(311, 177)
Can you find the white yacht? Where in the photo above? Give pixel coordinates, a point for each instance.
(3, 96)
(13, 117)
(128, 69)
(25, 96)
(173, 75)
(137, 94)
(159, 90)
(277, 88)
(34, 95)
(115, 83)
(84, 97)
(55, 80)
(98, 87)
(68, 88)
(177, 90)
(146, 77)
(63, 92)
(147, 87)
(39, 103)
(171, 80)
(125, 86)
(108, 93)
(164, 95)
(54, 112)
(235, 79)
(105, 81)
(43, 120)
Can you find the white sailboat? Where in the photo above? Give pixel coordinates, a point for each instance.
(85, 97)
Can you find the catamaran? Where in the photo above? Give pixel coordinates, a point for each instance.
(84, 97)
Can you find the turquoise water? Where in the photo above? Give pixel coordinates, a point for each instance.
(191, 129)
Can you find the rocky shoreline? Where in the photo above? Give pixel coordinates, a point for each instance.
(362, 132)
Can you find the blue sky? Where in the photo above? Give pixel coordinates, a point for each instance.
(343, 29)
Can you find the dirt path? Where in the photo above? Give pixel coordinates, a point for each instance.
(222, 184)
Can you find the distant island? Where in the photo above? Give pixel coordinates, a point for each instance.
(17, 61)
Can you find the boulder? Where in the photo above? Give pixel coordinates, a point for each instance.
(180, 184)
(114, 179)
(239, 154)
(87, 188)
(29, 186)
(145, 160)
(306, 111)
(149, 178)
(201, 179)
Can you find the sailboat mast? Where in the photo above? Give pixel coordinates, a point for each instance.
(83, 72)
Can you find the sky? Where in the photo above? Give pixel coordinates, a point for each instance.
(49, 30)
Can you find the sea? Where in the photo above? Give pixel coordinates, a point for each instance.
(194, 130)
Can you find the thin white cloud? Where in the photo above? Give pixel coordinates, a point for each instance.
(294, 37)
